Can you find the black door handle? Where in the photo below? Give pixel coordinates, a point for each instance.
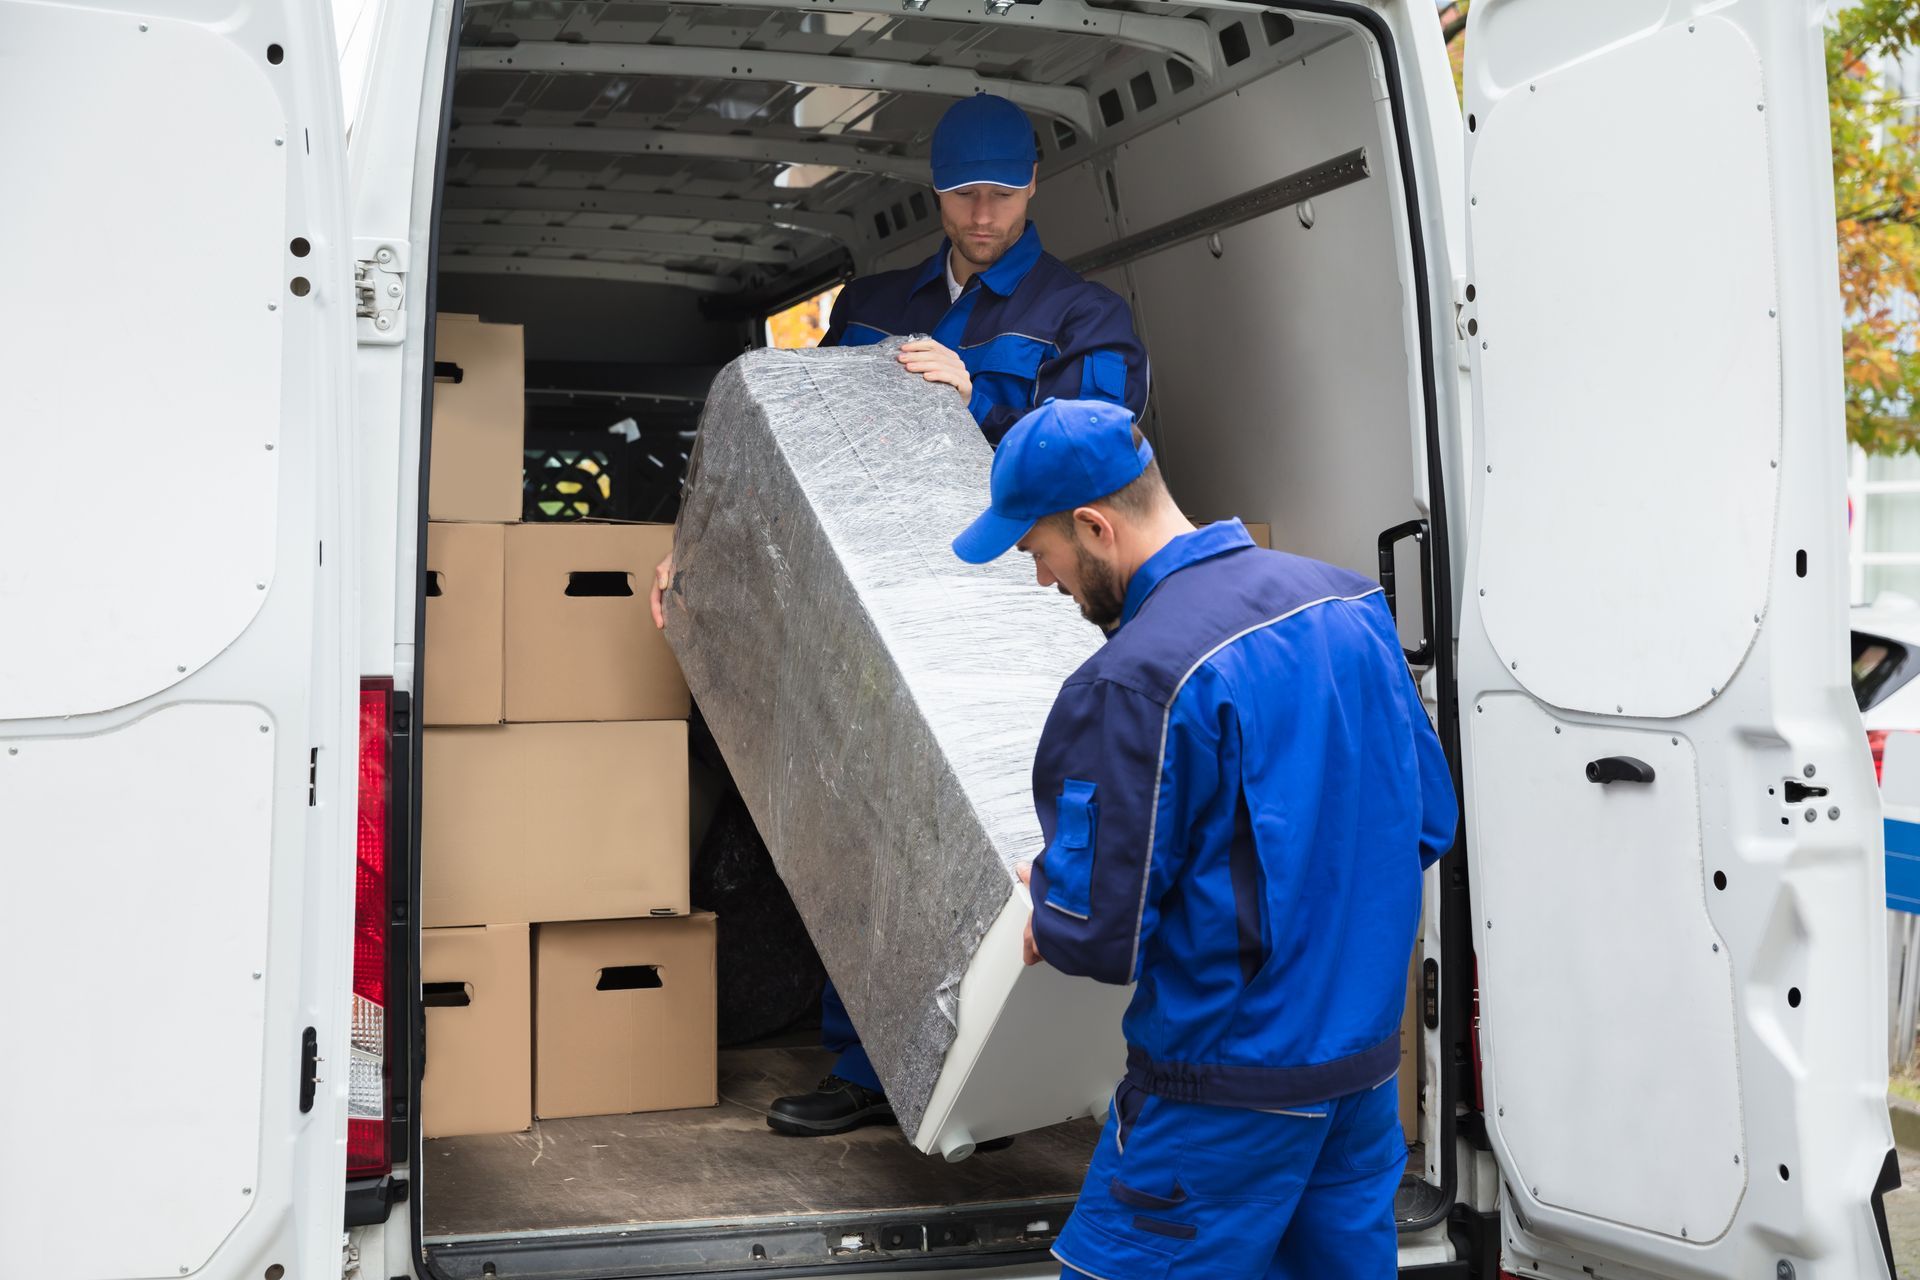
(1619, 769)
(1389, 540)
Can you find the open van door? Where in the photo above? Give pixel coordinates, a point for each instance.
(178, 757)
(1674, 832)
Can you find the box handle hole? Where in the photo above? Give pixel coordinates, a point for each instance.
(629, 977)
(599, 582)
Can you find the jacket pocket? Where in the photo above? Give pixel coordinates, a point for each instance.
(1009, 353)
(1069, 859)
(1162, 1227)
(1103, 376)
(1134, 1198)
(1129, 1101)
(1249, 894)
(1374, 1141)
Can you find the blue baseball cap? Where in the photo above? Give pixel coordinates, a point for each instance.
(983, 139)
(1065, 454)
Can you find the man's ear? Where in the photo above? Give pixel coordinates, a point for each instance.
(1093, 523)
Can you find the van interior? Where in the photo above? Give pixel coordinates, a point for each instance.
(642, 185)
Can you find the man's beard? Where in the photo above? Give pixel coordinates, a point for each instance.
(1101, 600)
(999, 251)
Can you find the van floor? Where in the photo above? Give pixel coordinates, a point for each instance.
(676, 1167)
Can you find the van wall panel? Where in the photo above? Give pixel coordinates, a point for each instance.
(1281, 368)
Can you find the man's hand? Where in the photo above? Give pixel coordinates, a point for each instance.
(936, 363)
(1029, 950)
(662, 579)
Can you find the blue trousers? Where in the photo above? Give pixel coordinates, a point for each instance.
(837, 1033)
(1183, 1190)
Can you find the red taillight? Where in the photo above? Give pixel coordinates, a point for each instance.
(367, 1154)
(1877, 742)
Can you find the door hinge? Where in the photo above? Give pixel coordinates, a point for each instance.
(380, 292)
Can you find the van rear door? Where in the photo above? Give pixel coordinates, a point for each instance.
(1674, 831)
(177, 701)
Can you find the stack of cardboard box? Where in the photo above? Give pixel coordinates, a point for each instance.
(565, 974)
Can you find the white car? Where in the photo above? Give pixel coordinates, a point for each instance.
(1886, 658)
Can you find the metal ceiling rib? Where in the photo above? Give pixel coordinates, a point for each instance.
(836, 228)
(586, 269)
(746, 123)
(1064, 102)
(673, 245)
(759, 148)
(1184, 38)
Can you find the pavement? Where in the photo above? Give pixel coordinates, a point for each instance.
(1903, 1215)
(1903, 1205)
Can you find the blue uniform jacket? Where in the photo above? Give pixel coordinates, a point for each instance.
(1026, 328)
(1239, 792)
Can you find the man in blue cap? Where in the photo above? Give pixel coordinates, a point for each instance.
(1238, 794)
(1009, 325)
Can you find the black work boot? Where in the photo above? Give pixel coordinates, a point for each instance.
(836, 1106)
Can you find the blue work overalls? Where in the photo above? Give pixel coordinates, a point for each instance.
(1027, 328)
(1239, 792)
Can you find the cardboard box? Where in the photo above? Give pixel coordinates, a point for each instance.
(1262, 534)
(581, 644)
(1412, 1035)
(465, 637)
(553, 822)
(478, 985)
(625, 1017)
(479, 420)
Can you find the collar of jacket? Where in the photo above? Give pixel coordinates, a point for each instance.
(1003, 277)
(1203, 543)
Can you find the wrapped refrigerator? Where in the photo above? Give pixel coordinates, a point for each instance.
(879, 703)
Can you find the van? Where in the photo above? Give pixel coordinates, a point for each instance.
(1559, 363)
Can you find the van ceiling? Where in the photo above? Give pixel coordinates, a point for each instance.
(749, 148)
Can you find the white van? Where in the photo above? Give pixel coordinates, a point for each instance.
(1572, 348)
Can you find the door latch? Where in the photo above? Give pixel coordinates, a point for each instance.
(1619, 769)
(379, 292)
(309, 1068)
